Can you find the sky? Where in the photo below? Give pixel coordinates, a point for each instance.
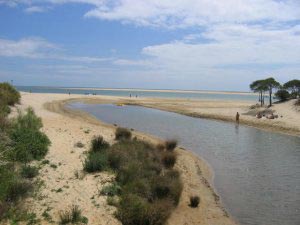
(159, 44)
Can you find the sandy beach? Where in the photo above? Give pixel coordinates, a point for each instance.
(61, 187)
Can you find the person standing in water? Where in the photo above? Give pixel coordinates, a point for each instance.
(237, 117)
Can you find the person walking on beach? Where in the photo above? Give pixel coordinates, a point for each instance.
(237, 117)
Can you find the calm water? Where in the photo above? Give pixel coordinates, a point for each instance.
(257, 173)
(37, 89)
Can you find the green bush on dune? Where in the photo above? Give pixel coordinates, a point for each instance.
(20, 142)
(148, 188)
(123, 134)
(99, 144)
(8, 94)
(95, 162)
(29, 143)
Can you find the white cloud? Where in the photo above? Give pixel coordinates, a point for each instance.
(38, 48)
(35, 9)
(179, 13)
(26, 47)
(230, 48)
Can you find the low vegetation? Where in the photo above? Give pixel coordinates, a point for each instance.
(282, 95)
(72, 216)
(123, 134)
(79, 144)
(99, 144)
(8, 95)
(28, 142)
(21, 141)
(95, 162)
(29, 171)
(170, 145)
(194, 201)
(169, 159)
(147, 187)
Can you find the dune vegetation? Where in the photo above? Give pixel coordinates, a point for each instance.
(21, 142)
(147, 187)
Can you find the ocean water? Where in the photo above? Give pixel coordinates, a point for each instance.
(256, 173)
(157, 94)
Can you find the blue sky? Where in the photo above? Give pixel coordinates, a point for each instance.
(171, 44)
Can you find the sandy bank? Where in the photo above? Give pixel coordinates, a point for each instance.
(64, 128)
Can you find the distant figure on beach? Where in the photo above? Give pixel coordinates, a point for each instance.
(69, 93)
(237, 117)
(130, 95)
(136, 96)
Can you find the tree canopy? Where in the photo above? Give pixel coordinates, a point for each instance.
(293, 86)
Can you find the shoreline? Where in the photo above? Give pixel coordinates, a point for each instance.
(161, 90)
(65, 125)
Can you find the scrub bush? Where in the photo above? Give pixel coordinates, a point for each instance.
(28, 142)
(123, 134)
(170, 145)
(194, 201)
(99, 144)
(8, 94)
(95, 162)
(29, 172)
(169, 159)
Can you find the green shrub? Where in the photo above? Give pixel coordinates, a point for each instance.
(282, 95)
(29, 171)
(170, 145)
(138, 211)
(112, 200)
(95, 162)
(123, 134)
(99, 144)
(29, 142)
(8, 94)
(132, 210)
(79, 144)
(146, 196)
(172, 174)
(164, 187)
(140, 187)
(18, 190)
(169, 159)
(72, 215)
(160, 147)
(124, 152)
(54, 166)
(194, 201)
(111, 190)
(45, 161)
(12, 188)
